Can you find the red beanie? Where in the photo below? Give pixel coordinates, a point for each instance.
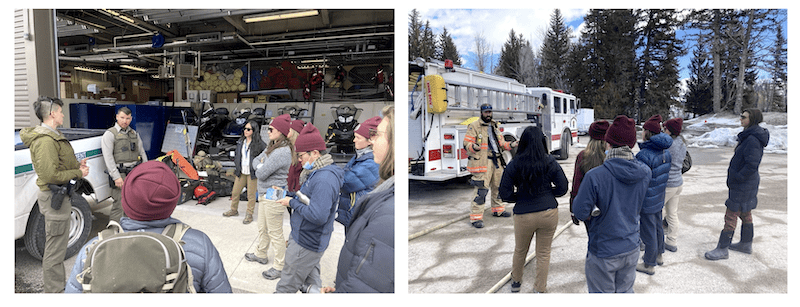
(597, 130)
(309, 139)
(297, 125)
(653, 124)
(282, 123)
(622, 132)
(674, 125)
(151, 192)
(372, 123)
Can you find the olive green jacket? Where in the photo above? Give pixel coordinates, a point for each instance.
(52, 156)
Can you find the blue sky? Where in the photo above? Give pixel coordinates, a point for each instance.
(495, 24)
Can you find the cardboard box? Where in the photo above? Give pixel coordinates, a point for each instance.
(227, 97)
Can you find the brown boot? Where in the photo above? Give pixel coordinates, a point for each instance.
(230, 213)
(248, 218)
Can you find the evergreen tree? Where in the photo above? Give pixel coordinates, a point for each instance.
(777, 70)
(554, 52)
(602, 70)
(699, 93)
(510, 57)
(447, 48)
(414, 35)
(658, 72)
(428, 42)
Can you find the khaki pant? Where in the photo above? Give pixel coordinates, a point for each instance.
(672, 198)
(238, 185)
(270, 231)
(491, 181)
(56, 230)
(116, 207)
(543, 224)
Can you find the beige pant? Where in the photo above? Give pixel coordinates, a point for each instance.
(270, 231)
(116, 207)
(238, 185)
(491, 181)
(56, 230)
(672, 198)
(543, 224)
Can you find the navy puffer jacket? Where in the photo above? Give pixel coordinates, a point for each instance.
(743, 178)
(366, 261)
(654, 152)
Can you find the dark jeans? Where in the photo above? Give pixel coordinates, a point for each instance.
(652, 233)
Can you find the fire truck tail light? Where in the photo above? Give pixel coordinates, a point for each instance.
(449, 136)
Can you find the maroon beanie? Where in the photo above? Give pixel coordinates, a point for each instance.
(297, 125)
(309, 139)
(597, 130)
(622, 132)
(282, 123)
(372, 123)
(674, 125)
(653, 124)
(151, 192)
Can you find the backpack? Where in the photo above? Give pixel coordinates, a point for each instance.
(687, 163)
(137, 262)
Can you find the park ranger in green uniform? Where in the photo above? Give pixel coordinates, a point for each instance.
(55, 164)
(122, 150)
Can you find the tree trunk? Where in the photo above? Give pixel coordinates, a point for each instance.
(740, 84)
(715, 49)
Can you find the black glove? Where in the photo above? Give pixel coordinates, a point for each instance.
(575, 220)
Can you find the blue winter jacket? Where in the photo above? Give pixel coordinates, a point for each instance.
(201, 254)
(360, 177)
(366, 262)
(312, 224)
(743, 178)
(617, 188)
(655, 154)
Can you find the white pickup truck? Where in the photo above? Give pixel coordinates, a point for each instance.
(28, 222)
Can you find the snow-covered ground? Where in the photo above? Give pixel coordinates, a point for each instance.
(720, 130)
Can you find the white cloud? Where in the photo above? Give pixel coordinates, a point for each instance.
(464, 24)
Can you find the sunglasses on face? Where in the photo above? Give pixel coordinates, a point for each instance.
(248, 129)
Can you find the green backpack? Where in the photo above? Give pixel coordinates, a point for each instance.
(137, 262)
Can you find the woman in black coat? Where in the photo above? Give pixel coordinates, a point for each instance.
(248, 147)
(533, 180)
(743, 180)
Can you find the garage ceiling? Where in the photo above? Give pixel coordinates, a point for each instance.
(107, 38)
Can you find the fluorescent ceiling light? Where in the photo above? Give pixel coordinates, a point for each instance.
(88, 69)
(134, 68)
(280, 15)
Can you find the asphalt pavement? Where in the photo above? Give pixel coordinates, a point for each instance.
(458, 258)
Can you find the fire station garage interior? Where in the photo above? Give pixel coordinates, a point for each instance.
(209, 70)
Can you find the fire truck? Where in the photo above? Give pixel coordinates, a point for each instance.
(559, 118)
(444, 99)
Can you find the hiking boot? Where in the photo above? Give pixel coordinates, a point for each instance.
(721, 252)
(248, 219)
(254, 258)
(477, 224)
(644, 268)
(672, 248)
(271, 274)
(502, 214)
(745, 245)
(230, 213)
(515, 286)
(660, 259)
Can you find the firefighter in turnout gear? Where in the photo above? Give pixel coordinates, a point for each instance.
(486, 164)
(122, 150)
